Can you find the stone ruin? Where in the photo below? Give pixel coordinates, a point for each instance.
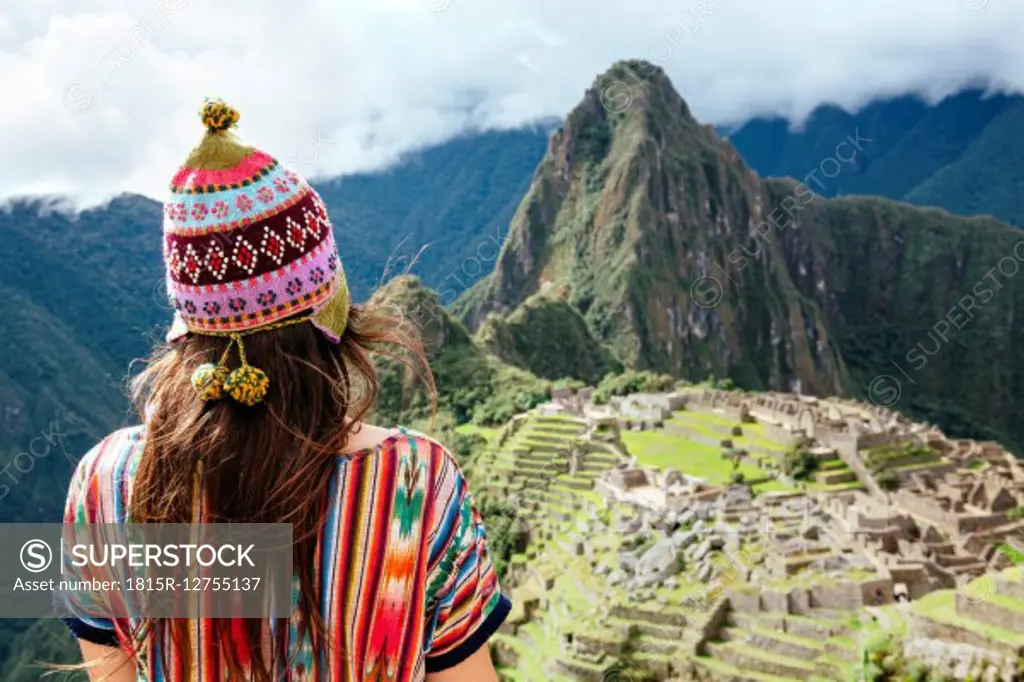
(647, 408)
(653, 489)
(957, 502)
(568, 400)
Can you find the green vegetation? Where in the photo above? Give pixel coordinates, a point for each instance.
(548, 337)
(1012, 553)
(897, 456)
(956, 154)
(472, 386)
(631, 381)
(506, 532)
(883, 660)
(669, 451)
(592, 232)
(888, 481)
(800, 464)
(587, 288)
(592, 141)
(941, 607)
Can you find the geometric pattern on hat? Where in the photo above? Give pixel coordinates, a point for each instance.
(247, 242)
(255, 249)
(233, 207)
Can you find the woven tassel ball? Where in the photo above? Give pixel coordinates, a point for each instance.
(208, 380)
(219, 149)
(218, 115)
(247, 384)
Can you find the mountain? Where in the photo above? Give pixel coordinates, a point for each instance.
(682, 260)
(471, 385)
(447, 208)
(549, 337)
(79, 299)
(441, 213)
(964, 153)
(627, 212)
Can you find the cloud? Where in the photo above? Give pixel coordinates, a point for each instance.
(101, 95)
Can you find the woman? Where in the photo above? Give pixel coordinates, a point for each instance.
(394, 581)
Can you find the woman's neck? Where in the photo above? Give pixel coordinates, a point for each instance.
(364, 436)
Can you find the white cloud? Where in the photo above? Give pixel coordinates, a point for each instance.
(101, 95)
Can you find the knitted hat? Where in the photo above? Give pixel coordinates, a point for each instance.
(247, 242)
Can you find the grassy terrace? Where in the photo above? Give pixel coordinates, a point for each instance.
(490, 434)
(827, 470)
(753, 434)
(727, 672)
(674, 451)
(562, 513)
(941, 607)
(669, 451)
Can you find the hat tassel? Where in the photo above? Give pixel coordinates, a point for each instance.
(247, 384)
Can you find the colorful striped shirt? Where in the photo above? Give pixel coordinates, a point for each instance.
(407, 586)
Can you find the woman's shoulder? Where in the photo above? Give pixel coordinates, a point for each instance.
(406, 449)
(98, 485)
(408, 444)
(112, 453)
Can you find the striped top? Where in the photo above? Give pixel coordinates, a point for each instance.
(407, 586)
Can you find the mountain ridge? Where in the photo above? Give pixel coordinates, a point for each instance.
(963, 153)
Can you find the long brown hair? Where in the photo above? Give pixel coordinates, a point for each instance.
(269, 463)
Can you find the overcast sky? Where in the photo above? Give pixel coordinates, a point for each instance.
(100, 96)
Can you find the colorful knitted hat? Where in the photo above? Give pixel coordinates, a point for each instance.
(247, 243)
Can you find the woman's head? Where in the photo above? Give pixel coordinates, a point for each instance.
(247, 242)
(257, 283)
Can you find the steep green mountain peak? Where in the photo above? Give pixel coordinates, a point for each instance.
(634, 205)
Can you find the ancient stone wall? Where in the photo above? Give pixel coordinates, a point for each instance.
(969, 524)
(924, 627)
(991, 613)
(712, 627)
(915, 577)
(578, 671)
(937, 471)
(876, 592)
(872, 440)
(846, 444)
(799, 601)
(775, 600)
(664, 618)
(1010, 588)
(592, 647)
(924, 507)
(745, 601)
(780, 434)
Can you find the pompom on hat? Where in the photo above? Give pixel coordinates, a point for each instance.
(248, 247)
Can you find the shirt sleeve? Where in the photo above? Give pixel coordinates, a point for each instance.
(82, 506)
(465, 604)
